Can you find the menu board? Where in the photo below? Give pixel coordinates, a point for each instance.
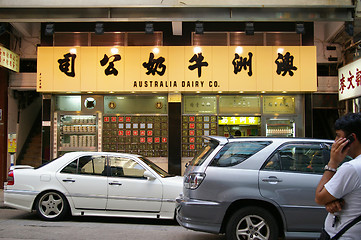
(279, 105)
(239, 104)
(144, 135)
(200, 104)
(193, 128)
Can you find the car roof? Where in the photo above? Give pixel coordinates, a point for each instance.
(223, 140)
(78, 154)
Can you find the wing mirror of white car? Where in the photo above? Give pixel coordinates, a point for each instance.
(149, 175)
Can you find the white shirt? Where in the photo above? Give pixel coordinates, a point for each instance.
(346, 184)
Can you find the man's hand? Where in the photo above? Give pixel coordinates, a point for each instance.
(337, 155)
(335, 206)
(323, 197)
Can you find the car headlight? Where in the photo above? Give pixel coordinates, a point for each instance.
(193, 180)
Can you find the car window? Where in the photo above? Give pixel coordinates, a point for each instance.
(236, 152)
(203, 153)
(305, 158)
(91, 165)
(71, 167)
(125, 167)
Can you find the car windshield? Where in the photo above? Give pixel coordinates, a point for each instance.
(156, 168)
(204, 153)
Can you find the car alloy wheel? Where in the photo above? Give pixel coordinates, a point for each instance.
(250, 224)
(52, 206)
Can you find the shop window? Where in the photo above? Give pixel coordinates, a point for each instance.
(239, 104)
(68, 103)
(279, 105)
(200, 104)
(135, 105)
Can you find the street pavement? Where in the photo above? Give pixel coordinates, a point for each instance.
(17, 225)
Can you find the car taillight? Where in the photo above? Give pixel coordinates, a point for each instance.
(11, 177)
(193, 180)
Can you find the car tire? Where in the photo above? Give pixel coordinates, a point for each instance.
(52, 206)
(252, 223)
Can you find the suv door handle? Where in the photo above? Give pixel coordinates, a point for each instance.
(272, 179)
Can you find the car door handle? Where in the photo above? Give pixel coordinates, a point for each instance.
(68, 180)
(272, 179)
(115, 183)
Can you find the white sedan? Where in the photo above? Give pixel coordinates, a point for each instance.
(94, 184)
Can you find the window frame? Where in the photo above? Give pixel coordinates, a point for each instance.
(77, 172)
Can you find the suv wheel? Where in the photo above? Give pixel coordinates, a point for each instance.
(251, 223)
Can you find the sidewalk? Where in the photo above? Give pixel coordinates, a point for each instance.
(2, 199)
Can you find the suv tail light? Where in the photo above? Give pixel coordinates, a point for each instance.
(10, 178)
(193, 180)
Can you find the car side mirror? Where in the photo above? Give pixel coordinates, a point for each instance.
(149, 175)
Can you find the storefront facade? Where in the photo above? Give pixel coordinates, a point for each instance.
(160, 101)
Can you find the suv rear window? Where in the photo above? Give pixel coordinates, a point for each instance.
(234, 153)
(203, 153)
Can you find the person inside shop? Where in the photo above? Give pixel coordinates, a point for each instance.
(339, 189)
(237, 133)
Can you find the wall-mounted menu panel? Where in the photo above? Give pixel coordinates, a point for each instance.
(193, 128)
(144, 135)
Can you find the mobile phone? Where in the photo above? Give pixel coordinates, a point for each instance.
(350, 139)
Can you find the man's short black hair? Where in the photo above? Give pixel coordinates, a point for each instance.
(350, 123)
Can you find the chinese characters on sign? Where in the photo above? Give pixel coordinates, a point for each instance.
(285, 64)
(110, 69)
(66, 62)
(178, 68)
(239, 120)
(198, 59)
(157, 66)
(9, 59)
(242, 62)
(154, 64)
(349, 85)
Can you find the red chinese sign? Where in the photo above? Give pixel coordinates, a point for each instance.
(349, 81)
(9, 59)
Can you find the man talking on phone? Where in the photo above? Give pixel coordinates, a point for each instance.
(339, 189)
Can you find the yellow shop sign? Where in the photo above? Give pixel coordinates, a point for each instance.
(177, 69)
(239, 121)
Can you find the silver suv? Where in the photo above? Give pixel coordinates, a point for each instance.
(255, 188)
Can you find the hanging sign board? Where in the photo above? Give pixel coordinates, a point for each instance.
(349, 81)
(9, 59)
(12, 143)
